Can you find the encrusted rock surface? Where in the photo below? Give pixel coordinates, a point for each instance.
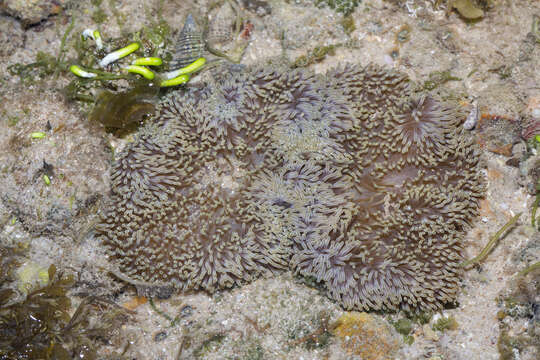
(31, 12)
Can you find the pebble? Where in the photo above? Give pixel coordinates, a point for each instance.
(472, 118)
(31, 12)
(429, 333)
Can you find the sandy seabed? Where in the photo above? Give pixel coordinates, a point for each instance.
(493, 63)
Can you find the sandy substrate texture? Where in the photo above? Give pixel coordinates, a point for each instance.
(493, 61)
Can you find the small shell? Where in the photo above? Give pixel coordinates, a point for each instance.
(190, 44)
(221, 25)
(472, 118)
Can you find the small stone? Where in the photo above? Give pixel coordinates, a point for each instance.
(531, 122)
(403, 326)
(31, 12)
(497, 133)
(533, 107)
(186, 311)
(429, 333)
(472, 118)
(160, 336)
(29, 274)
(11, 35)
(259, 7)
(467, 9)
(366, 336)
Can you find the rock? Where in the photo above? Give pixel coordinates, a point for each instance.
(31, 11)
(497, 133)
(429, 333)
(366, 336)
(531, 122)
(11, 36)
(467, 9)
(259, 7)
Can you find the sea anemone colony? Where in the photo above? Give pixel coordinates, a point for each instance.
(350, 177)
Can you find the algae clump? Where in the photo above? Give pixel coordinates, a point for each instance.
(445, 323)
(467, 9)
(345, 7)
(125, 109)
(40, 326)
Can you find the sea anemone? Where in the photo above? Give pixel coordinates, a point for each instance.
(350, 178)
(414, 184)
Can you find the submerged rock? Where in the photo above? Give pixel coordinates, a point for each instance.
(33, 11)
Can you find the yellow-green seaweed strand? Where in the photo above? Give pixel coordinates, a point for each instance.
(492, 242)
(94, 35)
(182, 79)
(535, 205)
(118, 54)
(194, 66)
(149, 61)
(80, 72)
(37, 135)
(141, 70)
(529, 269)
(97, 38)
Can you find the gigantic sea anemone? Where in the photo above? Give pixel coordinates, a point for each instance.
(351, 178)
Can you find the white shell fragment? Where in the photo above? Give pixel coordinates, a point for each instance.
(472, 118)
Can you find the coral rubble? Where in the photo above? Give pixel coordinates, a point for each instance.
(349, 177)
(366, 336)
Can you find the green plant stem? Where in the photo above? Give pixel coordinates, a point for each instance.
(492, 242)
(61, 51)
(162, 313)
(530, 268)
(534, 208)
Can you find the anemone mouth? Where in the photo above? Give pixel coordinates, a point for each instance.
(426, 126)
(224, 109)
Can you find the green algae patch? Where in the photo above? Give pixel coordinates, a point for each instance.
(311, 281)
(318, 338)
(99, 16)
(344, 7)
(12, 120)
(437, 78)
(403, 326)
(445, 323)
(31, 273)
(467, 9)
(44, 65)
(365, 335)
(209, 345)
(125, 109)
(348, 24)
(316, 55)
(39, 326)
(422, 317)
(520, 303)
(508, 345)
(254, 352)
